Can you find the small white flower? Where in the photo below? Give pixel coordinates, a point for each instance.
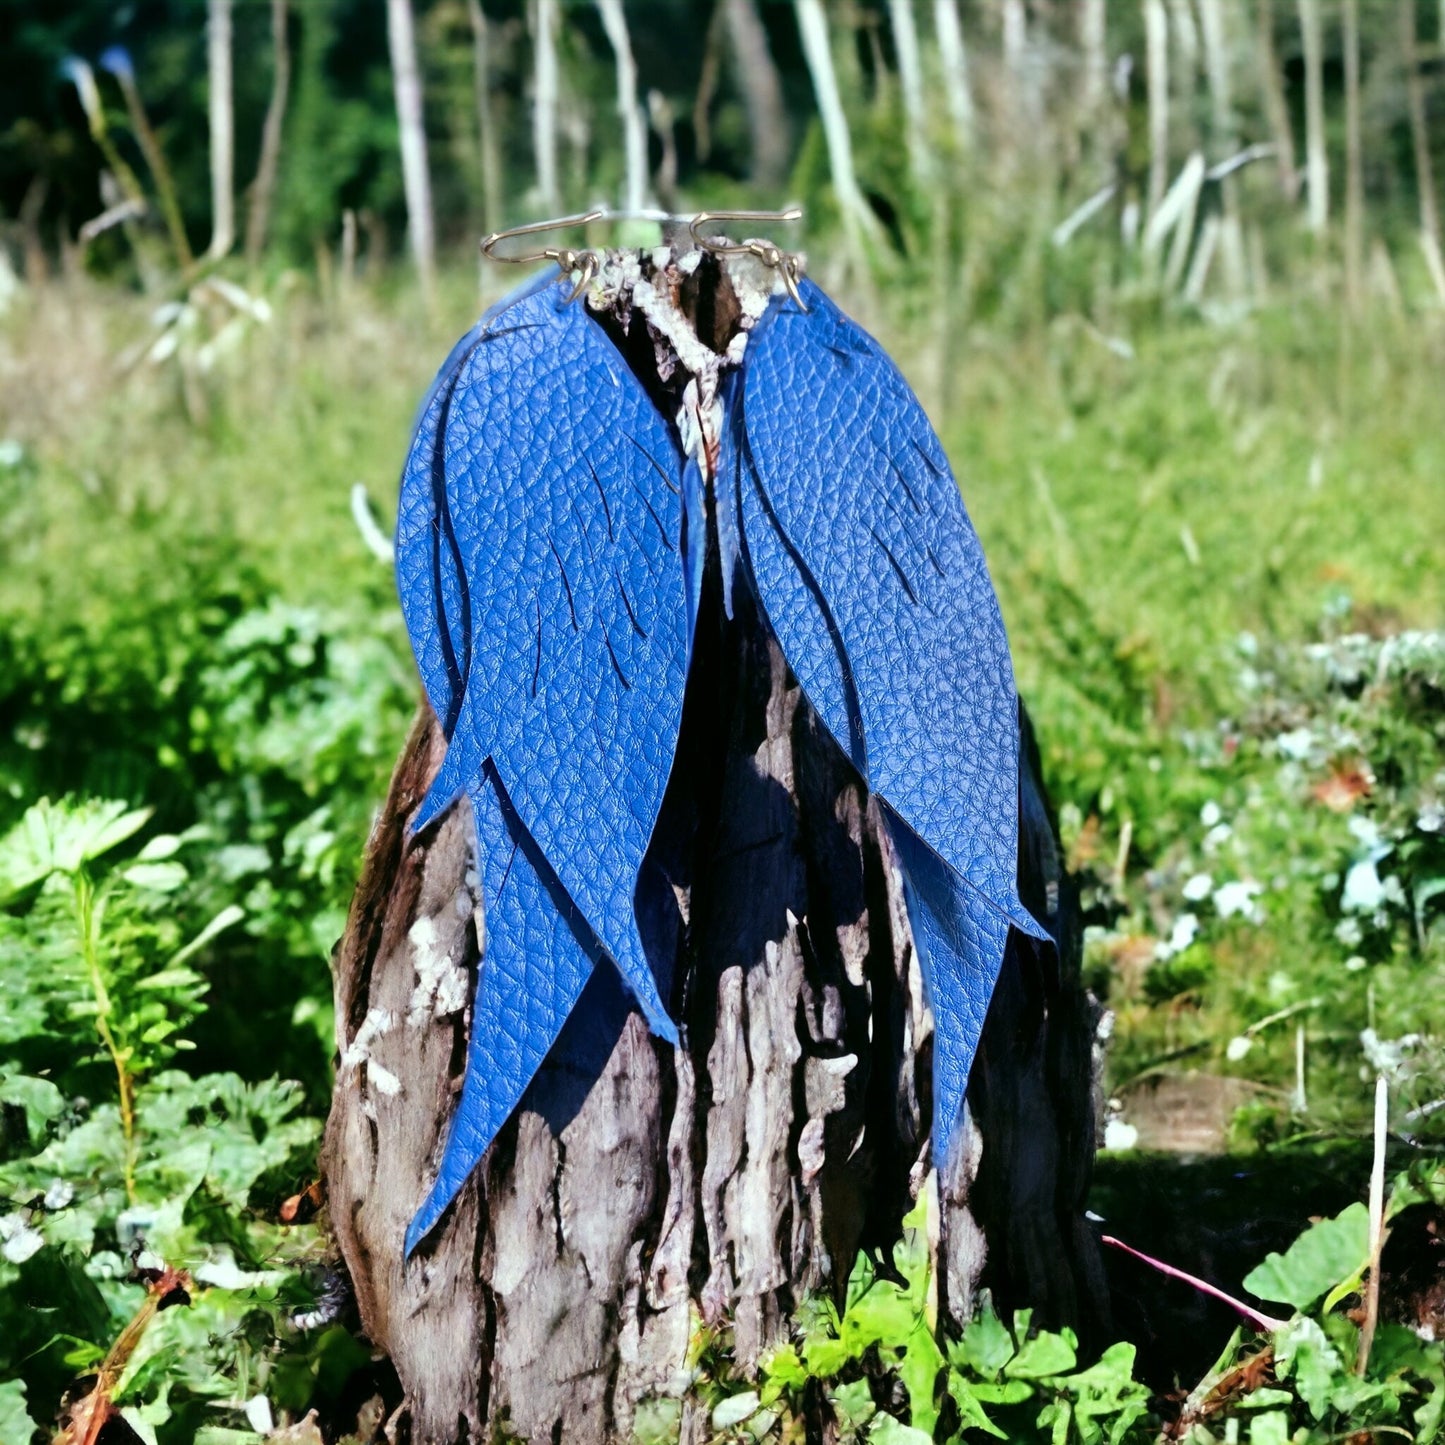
(1431, 818)
(1198, 888)
(1217, 836)
(1231, 899)
(1239, 1046)
(1295, 744)
(60, 1193)
(1354, 963)
(1349, 932)
(1184, 932)
(11, 453)
(1365, 830)
(1210, 814)
(1363, 891)
(18, 1241)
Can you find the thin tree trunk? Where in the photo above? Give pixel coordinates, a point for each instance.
(953, 60)
(487, 146)
(222, 122)
(1218, 56)
(634, 128)
(264, 186)
(1354, 161)
(1317, 165)
(1156, 47)
(859, 222)
(545, 101)
(910, 80)
(411, 127)
(1185, 70)
(1419, 128)
(1276, 108)
(1093, 47)
(640, 1188)
(762, 88)
(155, 159)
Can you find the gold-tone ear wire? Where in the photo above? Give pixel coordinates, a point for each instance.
(785, 263)
(567, 258)
(586, 260)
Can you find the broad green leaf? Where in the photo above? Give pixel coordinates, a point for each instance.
(885, 1430)
(853, 1403)
(15, 1421)
(986, 1346)
(1324, 1255)
(1045, 1355)
(972, 1415)
(1271, 1428)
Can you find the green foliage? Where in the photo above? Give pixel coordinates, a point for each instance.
(109, 1156)
(880, 1367)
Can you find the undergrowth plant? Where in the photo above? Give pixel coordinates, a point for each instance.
(887, 1377)
(114, 1163)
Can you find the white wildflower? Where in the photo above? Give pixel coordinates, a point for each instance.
(1237, 899)
(1197, 888)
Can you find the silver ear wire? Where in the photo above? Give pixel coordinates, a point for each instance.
(785, 263)
(567, 258)
(586, 260)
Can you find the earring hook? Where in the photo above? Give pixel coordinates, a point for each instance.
(785, 263)
(567, 258)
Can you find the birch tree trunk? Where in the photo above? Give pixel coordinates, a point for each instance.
(1156, 50)
(545, 101)
(1317, 165)
(762, 88)
(264, 186)
(1218, 57)
(222, 123)
(910, 80)
(1419, 128)
(640, 1188)
(859, 222)
(1354, 160)
(629, 111)
(411, 128)
(487, 146)
(953, 61)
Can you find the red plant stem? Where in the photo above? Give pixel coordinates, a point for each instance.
(1260, 1321)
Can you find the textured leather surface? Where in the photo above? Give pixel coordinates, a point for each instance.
(538, 567)
(538, 959)
(550, 549)
(870, 573)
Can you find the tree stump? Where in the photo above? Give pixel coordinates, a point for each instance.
(640, 1189)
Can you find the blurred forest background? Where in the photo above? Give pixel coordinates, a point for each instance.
(1167, 275)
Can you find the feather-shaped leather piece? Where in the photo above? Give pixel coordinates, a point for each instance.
(537, 960)
(870, 573)
(538, 566)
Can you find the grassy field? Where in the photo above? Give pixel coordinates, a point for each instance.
(1219, 552)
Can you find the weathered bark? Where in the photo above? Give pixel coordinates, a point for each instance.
(639, 1187)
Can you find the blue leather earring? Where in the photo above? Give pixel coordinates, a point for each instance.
(548, 555)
